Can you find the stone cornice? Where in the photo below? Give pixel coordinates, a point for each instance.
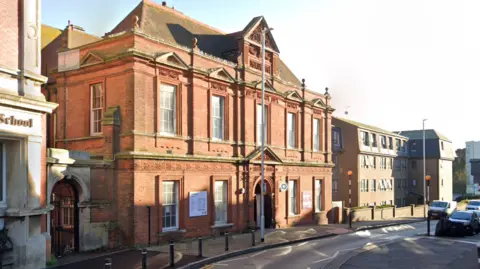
(26, 103)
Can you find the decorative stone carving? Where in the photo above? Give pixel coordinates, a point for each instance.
(135, 22)
(317, 111)
(256, 36)
(194, 42)
(168, 73)
(254, 51)
(219, 87)
(292, 105)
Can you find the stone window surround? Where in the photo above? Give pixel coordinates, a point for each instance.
(267, 121)
(226, 114)
(296, 113)
(180, 197)
(178, 104)
(90, 84)
(297, 196)
(212, 198)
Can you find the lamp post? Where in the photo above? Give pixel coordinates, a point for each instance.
(424, 171)
(350, 173)
(262, 201)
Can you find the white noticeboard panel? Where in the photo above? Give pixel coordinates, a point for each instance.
(198, 204)
(307, 199)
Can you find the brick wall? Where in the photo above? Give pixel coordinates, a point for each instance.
(9, 33)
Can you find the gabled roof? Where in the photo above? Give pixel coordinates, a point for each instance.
(174, 27)
(418, 134)
(253, 25)
(368, 127)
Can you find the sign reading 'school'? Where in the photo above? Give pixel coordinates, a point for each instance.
(12, 120)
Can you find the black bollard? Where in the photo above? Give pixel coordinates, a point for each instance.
(253, 238)
(172, 254)
(428, 224)
(200, 250)
(149, 224)
(108, 263)
(144, 259)
(226, 241)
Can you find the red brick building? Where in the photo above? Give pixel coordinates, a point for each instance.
(168, 109)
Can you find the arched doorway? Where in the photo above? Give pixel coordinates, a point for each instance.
(268, 206)
(64, 218)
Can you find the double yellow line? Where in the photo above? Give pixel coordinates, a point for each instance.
(208, 266)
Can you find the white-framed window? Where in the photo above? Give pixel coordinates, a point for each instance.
(383, 163)
(169, 205)
(291, 134)
(292, 197)
(259, 123)
(390, 142)
(373, 162)
(218, 117)
(383, 184)
(334, 185)
(404, 146)
(363, 161)
(365, 138)
(383, 141)
(374, 140)
(441, 143)
(373, 185)
(398, 143)
(316, 135)
(96, 107)
(168, 109)
(221, 200)
(318, 195)
(364, 185)
(391, 184)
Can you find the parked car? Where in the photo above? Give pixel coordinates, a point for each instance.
(473, 205)
(440, 209)
(463, 222)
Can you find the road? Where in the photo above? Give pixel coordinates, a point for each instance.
(317, 253)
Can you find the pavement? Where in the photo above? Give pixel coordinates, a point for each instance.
(214, 248)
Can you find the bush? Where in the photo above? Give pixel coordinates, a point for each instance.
(384, 206)
(52, 262)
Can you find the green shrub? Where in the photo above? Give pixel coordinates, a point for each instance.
(52, 262)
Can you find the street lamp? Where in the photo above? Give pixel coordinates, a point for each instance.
(262, 201)
(424, 171)
(350, 173)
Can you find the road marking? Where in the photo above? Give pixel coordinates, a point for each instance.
(236, 259)
(329, 258)
(219, 264)
(288, 250)
(258, 253)
(301, 244)
(393, 237)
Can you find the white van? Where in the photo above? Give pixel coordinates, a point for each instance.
(439, 208)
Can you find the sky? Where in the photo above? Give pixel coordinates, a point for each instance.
(389, 63)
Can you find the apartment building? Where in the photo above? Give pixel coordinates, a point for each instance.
(168, 112)
(472, 155)
(439, 156)
(377, 159)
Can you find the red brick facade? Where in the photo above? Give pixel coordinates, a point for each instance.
(131, 66)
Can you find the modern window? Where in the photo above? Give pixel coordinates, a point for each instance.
(292, 197)
(167, 109)
(374, 140)
(404, 164)
(397, 165)
(337, 138)
(96, 114)
(363, 185)
(259, 124)
(373, 185)
(390, 184)
(373, 162)
(334, 185)
(404, 147)
(381, 184)
(414, 146)
(390, 143)
(441, 143)
(363, 161)
(390, 163)
(383, 163)
(414, 183)
(365, 138)
(398, 143)
(318, 195)
(316, 135)
(414, 164)
(170, 205)
(220, 202)
(218, 116)
(383, 140)
(291, 130)
(442, 182)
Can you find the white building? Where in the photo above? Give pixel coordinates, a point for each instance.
(472, 152)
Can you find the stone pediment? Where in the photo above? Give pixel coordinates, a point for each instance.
(293, 95)
(270, 156)
(318, 103)
(221, 74)
(91, 58)
(171, 59)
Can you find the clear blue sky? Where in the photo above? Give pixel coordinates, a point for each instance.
(392, 62)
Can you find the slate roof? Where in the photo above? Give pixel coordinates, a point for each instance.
(369, 127)
(172, 26)
(418, 134)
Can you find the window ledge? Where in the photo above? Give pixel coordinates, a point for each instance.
(293, 216)
(221, 225)
(172, 230)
